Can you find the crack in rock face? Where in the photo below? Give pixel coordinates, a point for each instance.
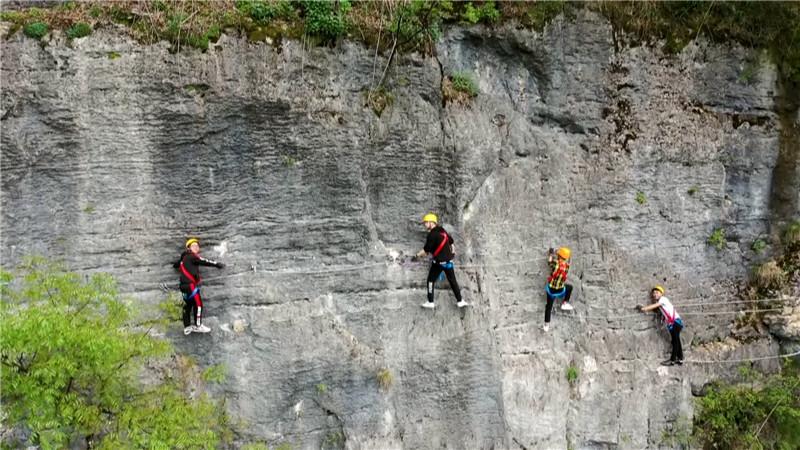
(271, 158)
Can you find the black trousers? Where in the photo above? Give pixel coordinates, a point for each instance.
(550, 299)
(433, 275)
(677, 349)
(192, 308)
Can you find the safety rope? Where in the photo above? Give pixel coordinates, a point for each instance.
(760, 358)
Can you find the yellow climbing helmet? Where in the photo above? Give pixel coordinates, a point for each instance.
(191, 241)
(658, 288)
(564, 252)
(430, 217)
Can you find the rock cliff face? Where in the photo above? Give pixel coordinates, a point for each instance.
(270, 155)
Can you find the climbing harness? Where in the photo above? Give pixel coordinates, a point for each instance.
(445, 265)
(556, 295)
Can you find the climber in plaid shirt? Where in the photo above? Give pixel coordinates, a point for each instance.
(557, 286)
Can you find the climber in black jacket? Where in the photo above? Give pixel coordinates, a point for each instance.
(189, 267)
(440, 246)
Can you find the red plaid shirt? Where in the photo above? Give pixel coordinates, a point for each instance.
(559, 276)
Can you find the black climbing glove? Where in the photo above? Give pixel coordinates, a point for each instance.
(220, 265)
(640, 307)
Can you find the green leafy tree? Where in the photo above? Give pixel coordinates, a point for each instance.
(748, 416)
(72, 360)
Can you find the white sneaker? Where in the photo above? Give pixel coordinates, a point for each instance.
(461, 304)
(546, 327)
(201, 329)
(567, 307)
(428, 305)
(188, 330)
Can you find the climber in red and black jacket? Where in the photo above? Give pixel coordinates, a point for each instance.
(189, 267)
(440, 246)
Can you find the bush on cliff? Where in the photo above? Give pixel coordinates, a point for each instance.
(72, 363)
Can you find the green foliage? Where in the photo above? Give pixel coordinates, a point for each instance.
(640, 198)
(263, 12)
(572, 374)
(11, 16)
(462, 82)
(71, 361)
(541, 13)
(288, 161)
(730, 416)
(113, 55)
(326, 20)
(487, 13)
(36, 30)
(758, 245)
(693, 190)
(88, 209)
(79, 30)
(333, 440)
(255, 446)
(179, 33)
(791, 237)
(418, 24)
(774, 26)
(170, 308)
(322, 388)
(749, 71)
(678, 434)
(717, 239)
(385, 379)
(215, 374)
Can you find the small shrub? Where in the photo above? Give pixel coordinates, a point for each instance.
(541, 13)
(79, 30)
(693, 190)
(324, 19)
(462, 82)
(255, 446)
(768, 276)
(334, 439)
(385, 379)
(322, 388)
(678, 434)
(113, 55)
(459, 88)
(11, 16)
(640, 198)
(379, 99)
(288, 161)
(749, 72)
(758, 245)
(730, 416)
(421, 24)
(572, 374)
(215, 374)
(487, 12)
(36, 30)
(791, 237)
(95, 11)
(264, 12)
(717, 239)
(160, 5)
(88, 209)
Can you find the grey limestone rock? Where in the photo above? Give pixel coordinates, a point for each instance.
(271, 156)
